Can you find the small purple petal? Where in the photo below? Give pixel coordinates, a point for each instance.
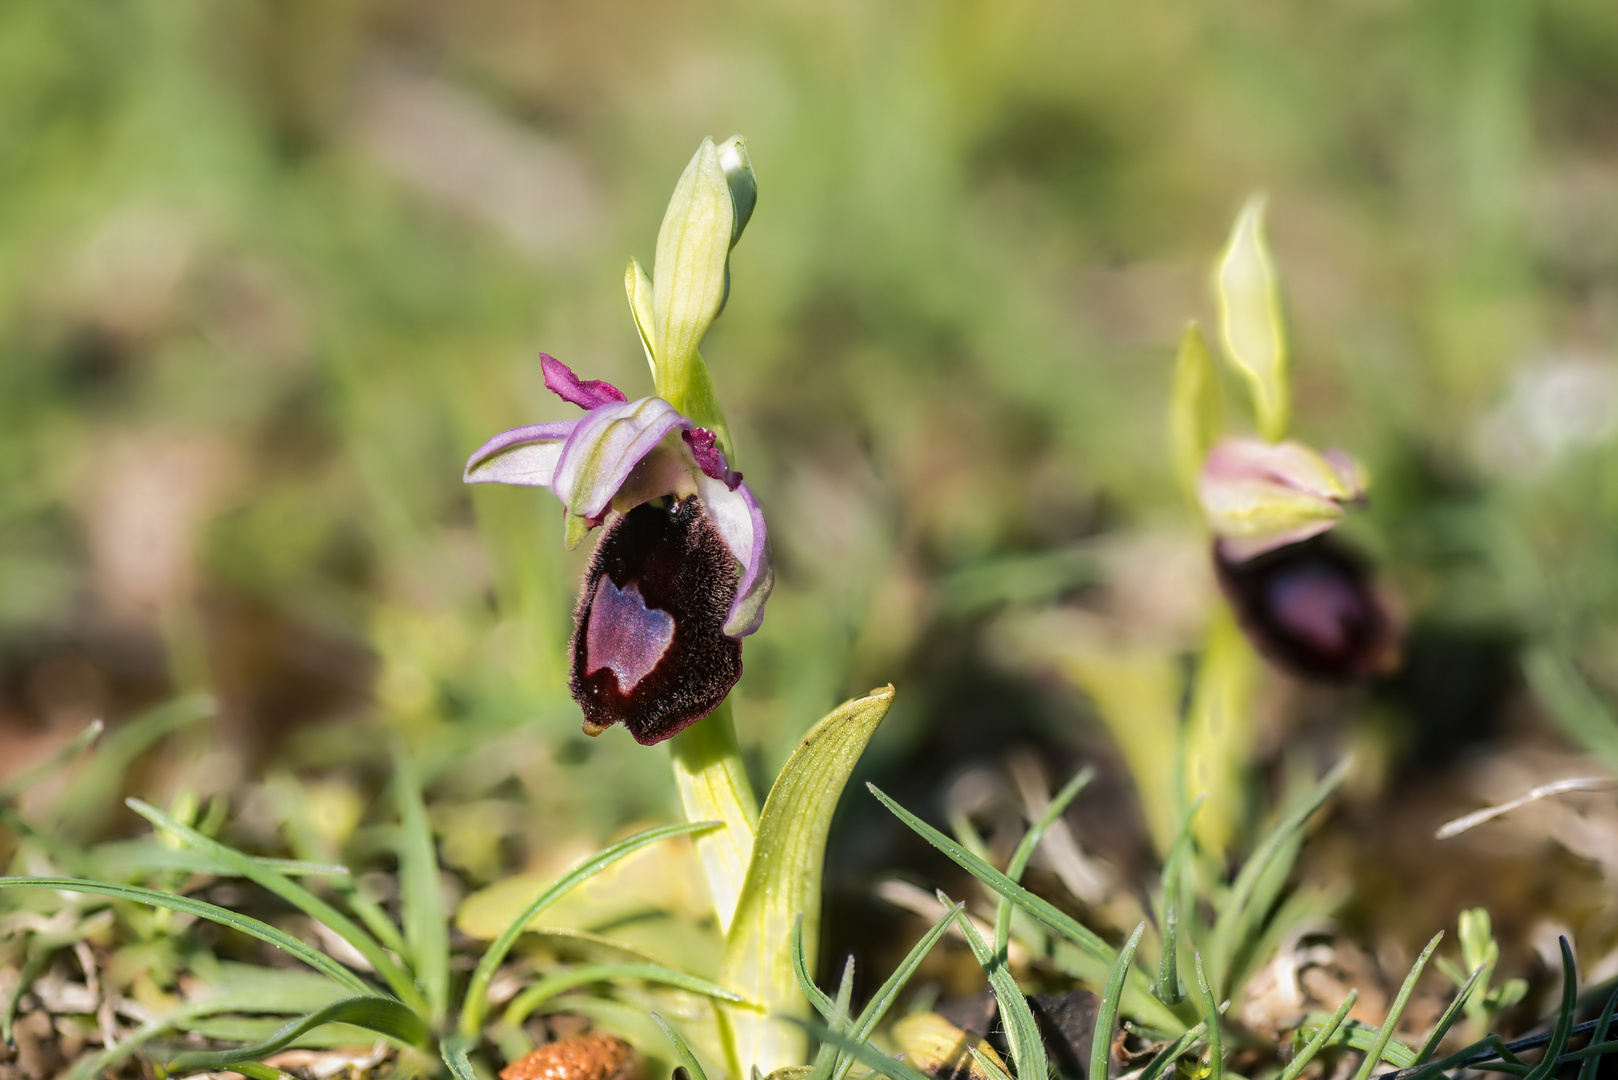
(704, 446)
(525, 455)
(585, 393)
(740, 522)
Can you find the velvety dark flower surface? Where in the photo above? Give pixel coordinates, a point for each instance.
(650, 649)
(1311, 608)
(682, 571)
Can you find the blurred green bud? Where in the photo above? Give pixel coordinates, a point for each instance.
(1477, 938)
(1250, 318)
(1195, 409)
(688, 278)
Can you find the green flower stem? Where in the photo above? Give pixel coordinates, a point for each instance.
(713, 786)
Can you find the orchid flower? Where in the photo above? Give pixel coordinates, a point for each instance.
(1258, 496)
(683, 569)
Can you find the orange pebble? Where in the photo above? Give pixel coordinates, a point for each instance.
(591, 1056)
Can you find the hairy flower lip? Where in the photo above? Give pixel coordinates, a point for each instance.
(619, 455)
(1259, 496)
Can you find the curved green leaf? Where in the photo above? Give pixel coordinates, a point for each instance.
(783, 883)
(475, 1004)
(202, 910)
(383, 1015)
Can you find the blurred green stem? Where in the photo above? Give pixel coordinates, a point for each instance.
(713, 786)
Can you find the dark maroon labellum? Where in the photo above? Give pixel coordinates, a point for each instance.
(1310, 607)
(649, 646)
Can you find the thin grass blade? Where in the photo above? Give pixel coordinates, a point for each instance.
(13, 786)
(475, 1004)
(1302, 1058)
(426, 926)
(1022, 1032)
(1451, 1014)
(1171, 1053)
(888, 993)
(1210, 1016)
(687, 1058)
(550, 986)
(202, 910)
(1107, 1014)
(1028, 844)
(800, 967)
(1168, 969)
(868, 1055)
(243, 865)
(1236, 917)
(1373, 1057)
(1587, 1071)
(385, 1016)
(1564, 1016)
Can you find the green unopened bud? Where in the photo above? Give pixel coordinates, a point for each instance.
(738, 169)
(1250, 318)
(688, 278)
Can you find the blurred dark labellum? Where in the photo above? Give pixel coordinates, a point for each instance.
(649, 646)
(1311, 608)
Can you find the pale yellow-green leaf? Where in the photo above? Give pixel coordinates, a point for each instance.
(639, 287)
(1250, 318)
(1136, 692)
(713, 786)
(783, 884)
(702, 406)
(688, 277)
(1219, 732)
(1195, 408)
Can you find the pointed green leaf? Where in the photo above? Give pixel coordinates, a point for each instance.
(639, 287)
(426, 924)
(783, 882)
(1250, 318)
(1210, 1016)
(687, 1057)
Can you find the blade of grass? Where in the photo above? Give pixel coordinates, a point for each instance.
(1169, 1054)
(1564, 1016)
(255, 1070)
(687, 1058)
(13, 786)
(1168, 972)
(868, 1055)
(1236, 918)
(1027, 845)
(1042, 910)
(1587, 1071)
(1451, 1014)
(475, 1003)
(454, 1050)
(102, 779)
(883, 999)
(1302, 1058)
(1107, 1013)
(1373, 1057)
(397, 978)
(800, 967)
(385, 1016)
(1022, 1032)
(223, 916)
(1210, 1016)
(552, 985)
(426, 926)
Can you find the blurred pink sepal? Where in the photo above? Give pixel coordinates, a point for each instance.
(623, 453)
(1258, 496)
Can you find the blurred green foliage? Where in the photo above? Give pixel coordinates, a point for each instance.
(269, 270)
